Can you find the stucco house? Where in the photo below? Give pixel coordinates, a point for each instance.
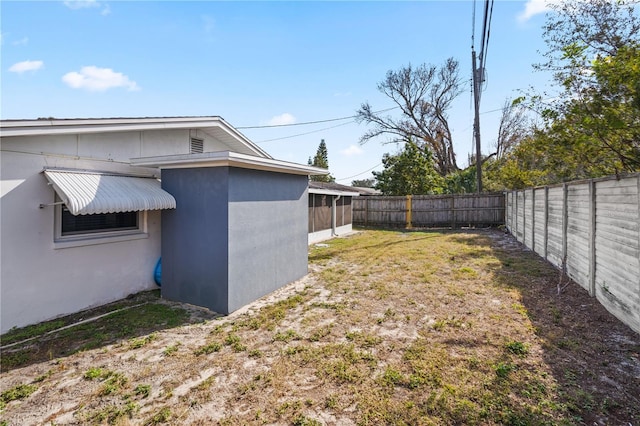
(88, 206)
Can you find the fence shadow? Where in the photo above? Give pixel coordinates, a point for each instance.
(585, 346)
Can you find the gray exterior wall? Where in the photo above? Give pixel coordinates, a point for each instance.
(195, 237)
(267, 233)
(236, 235)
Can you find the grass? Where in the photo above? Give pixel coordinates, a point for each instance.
(123, 323)
(391, 328)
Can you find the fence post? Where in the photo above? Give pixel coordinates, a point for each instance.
(408, 207)
(565, 226)
(592, 238)
(515, 196)
(524, 217)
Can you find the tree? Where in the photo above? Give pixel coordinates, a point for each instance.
(424, 95)
(409, 172)
(364, 183)
(594, 128)
(513, 128)
(321, 160)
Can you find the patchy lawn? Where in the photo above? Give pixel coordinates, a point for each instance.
(388, 328)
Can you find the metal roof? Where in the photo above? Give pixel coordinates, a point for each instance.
(91, 192)
(332, 188)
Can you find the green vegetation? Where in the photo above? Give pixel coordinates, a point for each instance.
(121, 322)
(587, 126)
(321, 159)
(208, 349)
(409, 172)
(17, 392)
(139, 342)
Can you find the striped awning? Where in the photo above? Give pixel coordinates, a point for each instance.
(91, 192)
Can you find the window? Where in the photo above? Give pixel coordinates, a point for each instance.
(90, 229)
(197, 146)
(95, 223)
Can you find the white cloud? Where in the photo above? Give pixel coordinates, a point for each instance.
(97, 79)
(352, 150)
(24, 66)
(281, 120)
(81, 4)
(87, 4)
(22, 41)
(532, 8)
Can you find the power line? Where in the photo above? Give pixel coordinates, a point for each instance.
(305, 133)
(361, 173)
(311, 122)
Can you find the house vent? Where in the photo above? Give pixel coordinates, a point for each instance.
(197, 146)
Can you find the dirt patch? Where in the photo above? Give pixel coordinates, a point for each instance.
(387, 328)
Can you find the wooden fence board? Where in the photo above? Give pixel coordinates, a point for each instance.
(449, 211)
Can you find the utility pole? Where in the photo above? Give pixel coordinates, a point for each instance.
(477, 81)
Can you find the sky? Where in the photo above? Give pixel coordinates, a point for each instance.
(262, 64)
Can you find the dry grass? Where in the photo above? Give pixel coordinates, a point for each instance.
(413, 328)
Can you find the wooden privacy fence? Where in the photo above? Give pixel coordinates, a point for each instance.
(430, 211)
(591, 230)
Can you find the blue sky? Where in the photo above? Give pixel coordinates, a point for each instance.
(260, 63)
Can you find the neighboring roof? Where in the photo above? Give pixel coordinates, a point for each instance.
(331, 188)
(91, 192)
(367, 191)
(213, 125)
(227, 158)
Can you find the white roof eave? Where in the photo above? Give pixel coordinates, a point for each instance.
(333, 192)
(10, 128)
(227, 158)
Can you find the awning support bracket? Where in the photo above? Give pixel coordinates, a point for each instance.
(42, 206)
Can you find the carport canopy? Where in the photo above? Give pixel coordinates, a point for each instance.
(88, 192)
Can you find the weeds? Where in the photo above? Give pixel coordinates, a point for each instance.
(171, 350)
(139, 342)
(142, 390)
(17, 392)
(208, 349)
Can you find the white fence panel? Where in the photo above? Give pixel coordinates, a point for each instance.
(578, 233)
(617, 257)
(591, 229)
(540, 220)
(555, 217)
(528, 218)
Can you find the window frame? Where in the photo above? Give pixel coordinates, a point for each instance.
(96, 237)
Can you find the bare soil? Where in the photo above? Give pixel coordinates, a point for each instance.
(387, 328)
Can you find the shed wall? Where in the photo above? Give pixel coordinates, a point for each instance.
(195, 237)
(268, 233)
